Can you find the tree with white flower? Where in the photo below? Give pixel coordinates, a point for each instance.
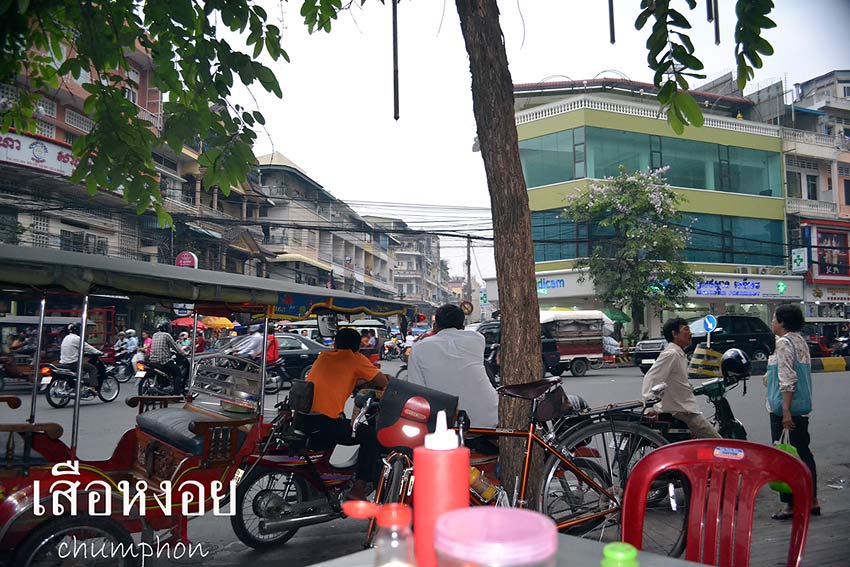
(638, 259)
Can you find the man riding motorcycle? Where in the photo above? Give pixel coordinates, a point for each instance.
(335, 374)
(69, 355)
(162, 347)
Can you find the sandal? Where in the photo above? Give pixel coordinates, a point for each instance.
(784, 515)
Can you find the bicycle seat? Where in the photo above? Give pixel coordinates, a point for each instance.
(529, 391)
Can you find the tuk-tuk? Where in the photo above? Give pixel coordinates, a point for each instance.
(18, 337)
(822, 333)
(578, 337)
(186, 454)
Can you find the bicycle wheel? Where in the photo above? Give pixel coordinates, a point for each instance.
(597, 364)
(402, 373)
(393, 488)
(607, 451)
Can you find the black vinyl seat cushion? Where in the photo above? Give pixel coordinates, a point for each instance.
(171, 425)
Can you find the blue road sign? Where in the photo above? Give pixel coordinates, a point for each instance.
(709, 323)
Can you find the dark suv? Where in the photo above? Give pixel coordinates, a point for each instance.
(749, 334)
(492, 331)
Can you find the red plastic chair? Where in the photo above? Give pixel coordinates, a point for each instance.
(720, 510)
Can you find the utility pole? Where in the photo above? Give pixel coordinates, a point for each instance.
(468, 291)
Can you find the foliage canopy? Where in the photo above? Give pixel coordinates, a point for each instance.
(640, 257)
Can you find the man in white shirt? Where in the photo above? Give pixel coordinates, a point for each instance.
(69, 354)
(671, 367)
(253, 345)
(452, 361)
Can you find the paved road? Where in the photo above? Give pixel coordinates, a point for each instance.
(101, 425)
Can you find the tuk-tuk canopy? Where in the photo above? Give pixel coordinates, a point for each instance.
(74, 272)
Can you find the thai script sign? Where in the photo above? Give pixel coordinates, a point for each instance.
(98, 497)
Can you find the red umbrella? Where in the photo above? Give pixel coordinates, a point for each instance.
(187, 322)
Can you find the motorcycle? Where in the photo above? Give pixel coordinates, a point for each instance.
(276, 375)
(841, 346)
(724, 420)
(154, 380)
(123, 367)
(391, 351)
(59, 384)
(289, 484)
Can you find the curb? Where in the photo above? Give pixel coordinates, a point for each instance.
(830, 364)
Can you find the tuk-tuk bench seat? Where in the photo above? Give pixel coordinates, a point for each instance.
(172, 426)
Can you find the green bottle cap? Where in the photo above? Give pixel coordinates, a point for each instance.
(619, 554)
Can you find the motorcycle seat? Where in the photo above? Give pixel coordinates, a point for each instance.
(171, 425)
(64, 371)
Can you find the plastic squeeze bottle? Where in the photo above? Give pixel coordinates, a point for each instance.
(619, 554)
(441, 470)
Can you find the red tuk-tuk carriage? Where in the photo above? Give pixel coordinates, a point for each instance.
(184, 456)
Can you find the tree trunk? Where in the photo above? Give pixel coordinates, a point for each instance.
(493, 106)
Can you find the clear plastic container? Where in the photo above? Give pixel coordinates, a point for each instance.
(495, 537)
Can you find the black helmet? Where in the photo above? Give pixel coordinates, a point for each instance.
(74, 328)
(735, 364)
(164, 326)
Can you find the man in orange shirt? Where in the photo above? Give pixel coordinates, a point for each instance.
(335, 375)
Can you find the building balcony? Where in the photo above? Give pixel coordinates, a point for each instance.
(814, 209)
(643, 110)
(154, 119)
(813, 144)
(174, 204)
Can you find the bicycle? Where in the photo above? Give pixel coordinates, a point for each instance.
(588, 457)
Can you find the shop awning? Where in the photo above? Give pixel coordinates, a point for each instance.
(617, 315)
(301, 258)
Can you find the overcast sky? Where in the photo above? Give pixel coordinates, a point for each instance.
(336, 116)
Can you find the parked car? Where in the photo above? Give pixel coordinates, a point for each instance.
(750, 334)
(298, 353)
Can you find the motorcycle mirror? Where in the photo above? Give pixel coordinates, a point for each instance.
(327, 325)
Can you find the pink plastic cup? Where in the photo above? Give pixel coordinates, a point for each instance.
(491, 537)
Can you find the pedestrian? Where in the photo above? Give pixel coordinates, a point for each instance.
(789, 395)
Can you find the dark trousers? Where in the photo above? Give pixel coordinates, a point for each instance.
(325, 432)
(92, 375)
(800, 440)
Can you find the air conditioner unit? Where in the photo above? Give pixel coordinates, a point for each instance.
(742, 270)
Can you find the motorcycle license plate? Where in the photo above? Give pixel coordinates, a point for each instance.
(140, 374)
(46, 380)
(238, 475)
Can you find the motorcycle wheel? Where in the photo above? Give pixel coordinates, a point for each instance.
(45, 543)
(273, 385)
(266, 494)
(109, 390)
(147, 386)
(59, 392)
(122, 374)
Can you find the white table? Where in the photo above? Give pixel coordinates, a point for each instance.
(572, 551)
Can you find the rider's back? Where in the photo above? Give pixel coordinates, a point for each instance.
(335, 374)
(452, 361)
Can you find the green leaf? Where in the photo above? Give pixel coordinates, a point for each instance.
(678, 20)
(666, 92)
(675, 122)
(23, 6)
(258, 116)
(686, 59)
(689, 107)
(642, 18)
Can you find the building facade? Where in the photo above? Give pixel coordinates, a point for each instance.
(729, 173)
(318, 239)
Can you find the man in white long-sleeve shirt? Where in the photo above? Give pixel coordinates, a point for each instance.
(452, 361)
(69, 354)
(671, 367)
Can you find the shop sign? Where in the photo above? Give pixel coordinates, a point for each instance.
(545, 284)
(831, 294)
(37, 154)
(186, 260)
(799, 260)
(741, 287)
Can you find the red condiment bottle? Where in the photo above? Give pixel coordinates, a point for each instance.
(441, 473)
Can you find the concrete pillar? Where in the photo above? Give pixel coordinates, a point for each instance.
(833, 173)
(244, 208)
(198, 181)
(215, 198)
